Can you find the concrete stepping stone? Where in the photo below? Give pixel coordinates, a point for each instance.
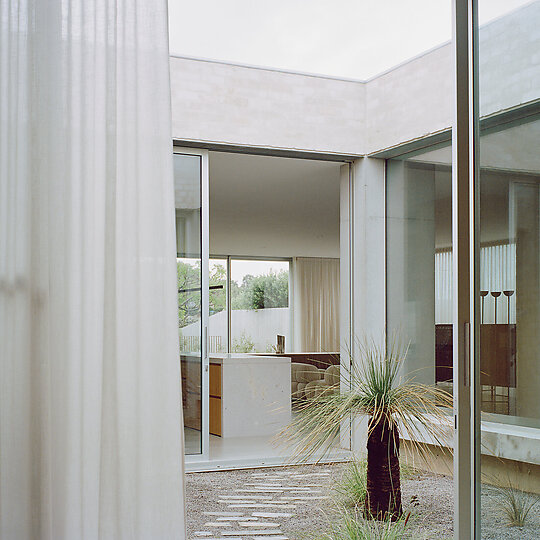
(300, 498)
(253, 485)
(271, 537)
(260, 524)
(262, 506)
(238, 518)
(229, 501)
(264, 490)
(216, 524)
(272, 514)
(238, 514)
(252, 533)
(258, 497)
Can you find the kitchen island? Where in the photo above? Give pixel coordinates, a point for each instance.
(250, 395)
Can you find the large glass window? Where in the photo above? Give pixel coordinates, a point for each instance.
(509, 272)
(419, 285)
(419, 262)
(218, 320)
(187, 187)
(260, 319)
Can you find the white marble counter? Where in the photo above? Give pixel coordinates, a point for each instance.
(255, 394)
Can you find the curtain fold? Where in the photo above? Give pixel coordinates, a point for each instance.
(317, 293)
(497, 273)
(90, 417)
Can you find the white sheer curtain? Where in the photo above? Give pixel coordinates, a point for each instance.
(90, 418)
(444, 288)
(497, 274)
(316, 304)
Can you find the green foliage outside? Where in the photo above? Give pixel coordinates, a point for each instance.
(259, 292)
(351, 489)
(352, 526)
(189, 295)
(515, 502)
(255, 292)
(243, 344)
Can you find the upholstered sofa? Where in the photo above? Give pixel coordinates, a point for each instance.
(302, 375)
(329, 381)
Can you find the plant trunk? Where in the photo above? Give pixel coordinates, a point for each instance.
(383, 500)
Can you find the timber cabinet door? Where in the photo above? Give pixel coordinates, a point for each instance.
(215, 399)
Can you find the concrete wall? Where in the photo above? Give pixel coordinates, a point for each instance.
(260, 326)
(410, 101)
(216, 102)
(416, 98)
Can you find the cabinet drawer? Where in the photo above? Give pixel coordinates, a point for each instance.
(215, 416)
(215, 380)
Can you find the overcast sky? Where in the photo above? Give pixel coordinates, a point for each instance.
(343, 38)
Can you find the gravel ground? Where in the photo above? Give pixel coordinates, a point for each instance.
(306, 516)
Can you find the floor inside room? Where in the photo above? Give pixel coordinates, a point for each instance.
(245, 452)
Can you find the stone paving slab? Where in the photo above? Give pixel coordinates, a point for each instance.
(260, 505)
(266, 533)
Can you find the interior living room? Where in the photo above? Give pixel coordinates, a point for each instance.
(273, 330)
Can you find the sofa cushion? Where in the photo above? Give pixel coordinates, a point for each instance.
(331, 376)
(304, 373)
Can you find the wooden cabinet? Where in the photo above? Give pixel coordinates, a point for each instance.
(215, 399)
(191, 391)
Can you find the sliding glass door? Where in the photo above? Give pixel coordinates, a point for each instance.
(191, 190)
(507, 262)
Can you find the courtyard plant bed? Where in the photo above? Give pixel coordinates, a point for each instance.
(218, 505)
(375, 386)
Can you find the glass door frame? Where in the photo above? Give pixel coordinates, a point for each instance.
(465, 237)
(205, 301)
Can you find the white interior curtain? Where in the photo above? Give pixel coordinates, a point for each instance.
(90, 418)
(497, 274)
(444, 287)
(316, 304)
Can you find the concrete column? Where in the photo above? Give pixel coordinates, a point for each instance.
(410, 264)
(525, 219)
(368, 249)
(367, 253)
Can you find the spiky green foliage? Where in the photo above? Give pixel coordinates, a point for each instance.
(374, 386)
(354, 527)
(351, 488)
(515, 503)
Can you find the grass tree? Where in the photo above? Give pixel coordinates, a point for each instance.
(375, 386)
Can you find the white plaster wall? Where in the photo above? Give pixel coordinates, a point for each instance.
(240, 105)
(260, 325)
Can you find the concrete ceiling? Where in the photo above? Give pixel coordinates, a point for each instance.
(261, 205)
